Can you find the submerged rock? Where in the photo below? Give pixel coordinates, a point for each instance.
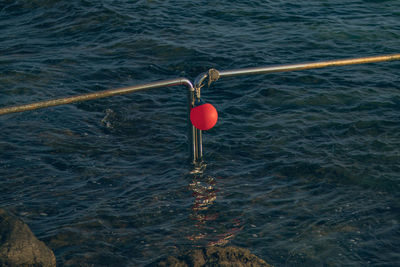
(214, 256)
(19, 246)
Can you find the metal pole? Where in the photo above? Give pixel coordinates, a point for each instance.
(306, 66)
(194, 134)
(96, 95)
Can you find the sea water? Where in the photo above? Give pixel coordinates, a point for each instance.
(302, 167)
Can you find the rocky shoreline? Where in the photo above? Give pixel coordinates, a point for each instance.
(214, 256)
(20, 247)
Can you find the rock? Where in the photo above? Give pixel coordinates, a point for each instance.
(214, 256)
(19, 246)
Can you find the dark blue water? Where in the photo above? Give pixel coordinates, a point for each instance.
(302, 167)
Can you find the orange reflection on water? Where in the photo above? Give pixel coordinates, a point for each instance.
(207, 221)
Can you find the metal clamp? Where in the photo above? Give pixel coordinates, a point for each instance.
(212, 75)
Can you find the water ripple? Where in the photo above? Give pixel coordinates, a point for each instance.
(302, 167)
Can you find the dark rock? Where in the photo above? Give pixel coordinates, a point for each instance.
(19, 246)
(214, 256)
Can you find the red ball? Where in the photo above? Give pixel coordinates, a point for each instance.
(204, 117)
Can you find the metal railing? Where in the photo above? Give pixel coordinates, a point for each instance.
(214, 75)
(194, 91)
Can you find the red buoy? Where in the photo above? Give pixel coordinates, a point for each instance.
(204, 117)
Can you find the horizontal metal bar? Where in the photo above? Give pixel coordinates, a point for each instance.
(96, 95)
(305, 66)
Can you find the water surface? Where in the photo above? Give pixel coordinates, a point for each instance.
(302, 167)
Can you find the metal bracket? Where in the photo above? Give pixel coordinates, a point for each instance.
(212, 75)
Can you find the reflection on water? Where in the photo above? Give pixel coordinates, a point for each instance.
(211, 227)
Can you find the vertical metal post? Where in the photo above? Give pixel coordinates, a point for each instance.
(195, 142)
(200, 143)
